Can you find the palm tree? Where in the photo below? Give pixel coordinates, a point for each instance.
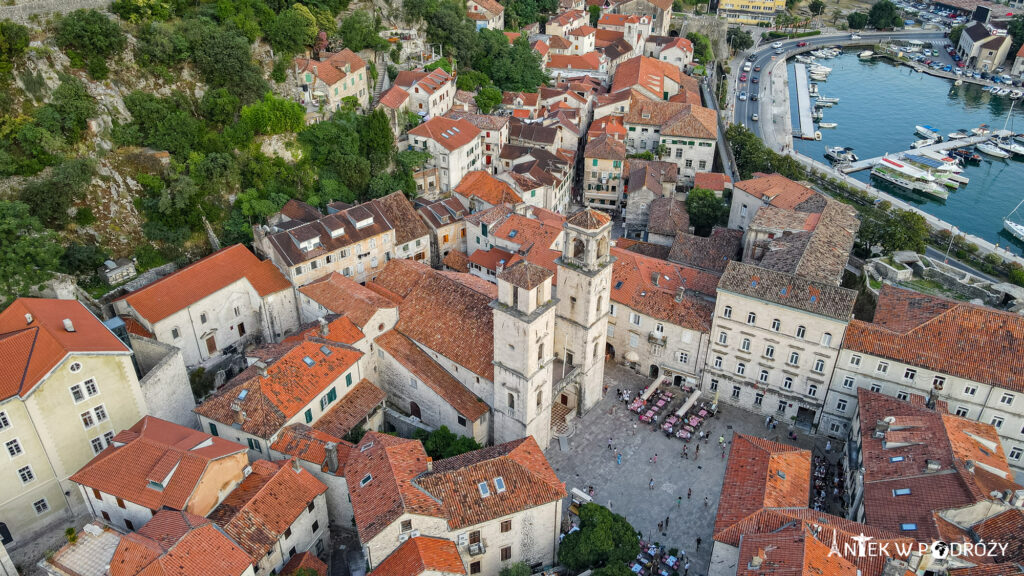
(836, 15)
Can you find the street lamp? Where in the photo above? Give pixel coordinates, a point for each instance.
(952, 235)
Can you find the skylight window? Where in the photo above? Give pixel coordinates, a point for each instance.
(907, 526)
(366, 480)
(243, 394)
(618, 284)
(499, 484)
(309, 361)
(781, 474)
(897, 459)
(901, 492)
(326, 351)
(366, 447)
(484, 490)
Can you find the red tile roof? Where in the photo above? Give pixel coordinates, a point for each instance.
(133, 326)
(290, 385)
(646, 72)
(588, 219)
(31, 350)
(762, 474)
(928, 331)
(266, 504)
(457, 260)
(528, 478)
(567, 17)
(380, 473)
(342, 295)
(486, 187)
(414, 359)
(491, 259)
(352, 410)
(649, 286)
(304, 561)
(155, 451)
(605, 147)
(588, 61)
(178, 544)
(711, 181)
(780, 191)
(582, 31)
(418, 555)
(338, 329)
(617, 20)
(790, 552)
(451, 134)
(394, 97)
(492, 6)
(331, 67)
(309, 444)
(217, 271)
(1002, 569)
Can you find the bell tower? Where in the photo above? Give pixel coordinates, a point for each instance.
(524, 326)
(584, 290)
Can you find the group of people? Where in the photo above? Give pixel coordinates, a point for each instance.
(829, 485)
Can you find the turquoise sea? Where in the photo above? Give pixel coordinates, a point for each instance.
(880, 103)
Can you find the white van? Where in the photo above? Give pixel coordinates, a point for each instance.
(746, 67)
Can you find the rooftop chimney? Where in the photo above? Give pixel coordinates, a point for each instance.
(28, 318)
(430, 464)
(332, 457)
(757, 560)
(1018, 498)
(68, 325)
(295, 465)
(262, 368)
(324, 329)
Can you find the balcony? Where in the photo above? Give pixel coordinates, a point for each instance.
(477, 549)
(657, 338)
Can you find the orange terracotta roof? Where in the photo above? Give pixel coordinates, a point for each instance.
(527, 99)
(191, 284)
(492, 6)
(528, 479)
(304, 561)
(610, 125)
(155, 463)
(398, 278)
(634, 286)
(338, 329)
(421, 554)
(762, 474)
(713, 181)
(588, 219)
(567, 17)
(342, 295)
(588, 61)
(1001, 569)
(486, 187)
(394, 97)
(134, 327)
(512, 36)
(582, 31)
(331, 68)
(414, 359)
(451, 134)
(605, 147)
(457, 260)
(30, 350)
(491, 259)
(790, 552)
(176, 543)
(266, 504)
(379, 474)
(673, 118)
(309, 444)
(352, 410)
(290, 385)
(559, 43)
(617, 20)
(649, 73)
(927, 331)
(778, 190)
(540, 47)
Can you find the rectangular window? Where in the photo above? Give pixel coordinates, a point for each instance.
(87, 420)
(254, 444)
(683, 358)
(97, 445)
(309, 415)
(506, 553)
(1007, 399)
(76, 393)
(848, 382)
(782, 407)
(962, 412)
(26, 475)
(474, 567)
(101, 413)
(634, 318)
(735, 391)
(876, 388)
(714, 385)
(882, 368)
(506, 526)
(910, 374)
(462, 420)
(997, 422)
(40, 506)
(213, 429)
(90, 388)
(854, 360)
(108, 438)
(902, 396)
(1015, 453)
(841, 405)
(348, 379)
(758, 398)
(4, 421)
(970, 390)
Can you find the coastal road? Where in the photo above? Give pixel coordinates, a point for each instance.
(772, 105)
(940, 255)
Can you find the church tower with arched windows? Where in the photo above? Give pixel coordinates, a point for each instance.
(524, 326)
(584, 290)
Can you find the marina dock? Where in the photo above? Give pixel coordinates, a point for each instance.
(940, 147)
(803, 99)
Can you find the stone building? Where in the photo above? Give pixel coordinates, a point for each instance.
(455, 146)
(331, 78)
(602, 173)
(224, 301)
(650, 184)
(445, 220)
(775, 339)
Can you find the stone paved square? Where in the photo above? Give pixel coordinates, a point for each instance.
(624, 488)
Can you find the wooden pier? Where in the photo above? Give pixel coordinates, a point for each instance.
(803, 100)
(940, 147)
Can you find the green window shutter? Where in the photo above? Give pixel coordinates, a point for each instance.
(213, 429)
(483, 230)
(348, 379)
(309, 416)
(618, 164)
(632, 128)
(332, 395)
(595, 161)
(533, 194)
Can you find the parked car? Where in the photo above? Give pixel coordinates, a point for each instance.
(754, 116)
(854, 37)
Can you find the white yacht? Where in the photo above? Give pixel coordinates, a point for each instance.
(828, 100)
(991, 149)
(866, 55)
(958, 135)
(1015, 229)
(908, 177)
(827, 124)
(926, 131)
(924, 142)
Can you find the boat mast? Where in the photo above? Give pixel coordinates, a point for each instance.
(1014, 210)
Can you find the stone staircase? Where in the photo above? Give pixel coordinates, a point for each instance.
(383, 83)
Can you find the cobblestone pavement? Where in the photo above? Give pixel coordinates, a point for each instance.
(680, 485)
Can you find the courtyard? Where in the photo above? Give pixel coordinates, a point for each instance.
(624, 488)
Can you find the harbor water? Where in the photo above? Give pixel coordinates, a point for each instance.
(880, 103)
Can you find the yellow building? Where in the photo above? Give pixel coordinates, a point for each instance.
(67, 385)
(750, 11)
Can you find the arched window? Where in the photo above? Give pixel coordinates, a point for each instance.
(801, 331)
(751, 318)
(727, 312)
(812, 390)
(578, 249)
(776, 325)
(745, 345)
(741, 368)
(826, 339)
(600, 301)
(595, 350)
(787, 383)
(764, 376)
(819, 365)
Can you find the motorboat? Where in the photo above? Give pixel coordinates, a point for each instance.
(991, 150)
(1015, 148)
(804, 59)
(924, 142)
(1016, 94)
(1015, 229)
(907, 177)
(812, 89)
(966, 155)
(958, 135)
(865, 55)
(981, 130)
(820, 104)
(1002, 92)
(926, 131)
(827, 124)
(1019, 138)
(840, 154)
(828, 100)
(819, 68)
(817, 114)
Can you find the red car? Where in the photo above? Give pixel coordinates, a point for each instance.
(743, 77)
(801, 45)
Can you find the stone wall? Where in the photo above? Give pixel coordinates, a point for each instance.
(957, 285)
(404, 426)
(164, 382)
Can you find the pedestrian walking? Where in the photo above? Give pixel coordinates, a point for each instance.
(679, 501)
(666, 522)
(655, 458)
(721, 441)
(618, 459)
(689, 492)
(651, 484)
(696, 452)
(660, 526)
(686, 568)
(609, 443)
(705, 499)
(768, 422)
(723, 452)
(698, 543)
(774, 423)
(828, 447)
(685, 454)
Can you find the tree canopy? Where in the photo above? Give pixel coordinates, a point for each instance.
(706, 210)
(28, 252)
(894, 231)
(857, 20)
(89, 38)
(739, 39)
(884, 14)
(443, 443)
(701, 47)
(817, 7)
(1015, 29)
(752, 155)
(603, 539)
